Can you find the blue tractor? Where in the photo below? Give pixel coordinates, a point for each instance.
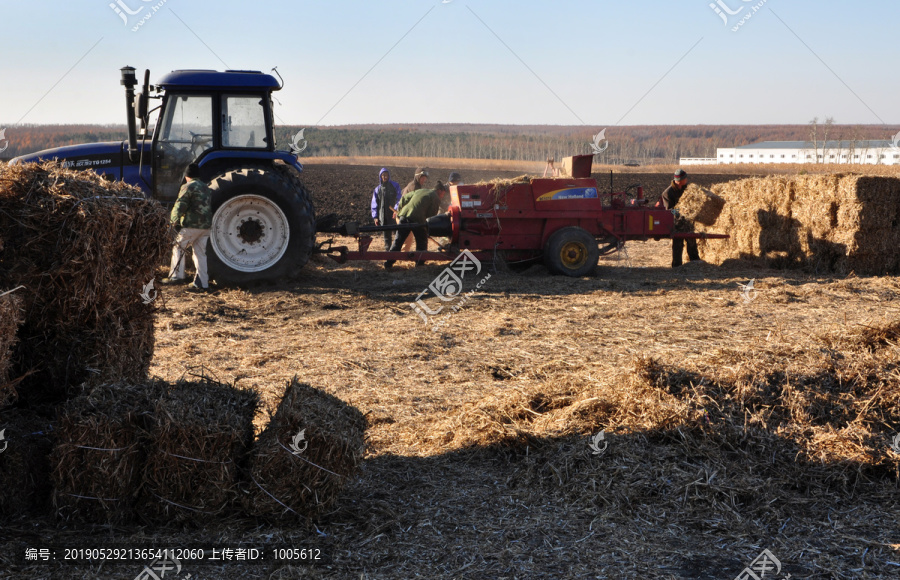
(263, 219)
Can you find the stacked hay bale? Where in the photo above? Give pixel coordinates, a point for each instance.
(700, 205)
(836, 222)
(199, 441)
(98, 461)
(10, 318)
(25, 443)
(84, 248)
(303, 458)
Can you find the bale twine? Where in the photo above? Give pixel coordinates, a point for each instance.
(101, 449)
(200, 439)
(304, 457)
(84, 248)
(832, 222)
(700, 205)
(10, 318)
(25, 441)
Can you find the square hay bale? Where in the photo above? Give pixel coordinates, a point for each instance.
(305, 455)
(10, 318)
(84, 248)
(25, 438)
(700, 205)
(200, 439)
(101, 449)
(833, 222)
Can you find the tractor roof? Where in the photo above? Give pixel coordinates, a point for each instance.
(211, 79)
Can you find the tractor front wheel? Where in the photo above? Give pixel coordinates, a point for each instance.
(572, 251)
(262, 226)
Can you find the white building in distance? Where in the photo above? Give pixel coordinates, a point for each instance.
(867, 152)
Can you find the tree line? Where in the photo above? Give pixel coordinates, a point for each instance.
(646, 145)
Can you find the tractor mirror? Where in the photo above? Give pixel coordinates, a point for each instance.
(141, 105)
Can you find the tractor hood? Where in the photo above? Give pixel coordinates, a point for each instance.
(109, 159)
(86, 156)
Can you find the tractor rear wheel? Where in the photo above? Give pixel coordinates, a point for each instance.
(263, 225)
(572, 251)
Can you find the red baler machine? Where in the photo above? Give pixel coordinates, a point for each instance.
(565, 221)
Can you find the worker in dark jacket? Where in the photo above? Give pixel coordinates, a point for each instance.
(669, 200)
(418, 181)
(385, 203)
(415, 208)
(192, 218)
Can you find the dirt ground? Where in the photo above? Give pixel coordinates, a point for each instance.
(451, 489)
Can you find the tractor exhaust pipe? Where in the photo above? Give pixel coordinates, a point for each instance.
(129, 80)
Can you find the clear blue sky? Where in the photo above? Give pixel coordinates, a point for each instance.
(593, 61)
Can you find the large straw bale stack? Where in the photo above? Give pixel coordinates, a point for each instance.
(831, 222)
(24, 463)
(101, 450)
(700, 205)
(200, 439)
(331, 436)
(10, 318)
(84, 248)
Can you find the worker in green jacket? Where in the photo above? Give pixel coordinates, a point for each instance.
(415, 208)
(192, 218)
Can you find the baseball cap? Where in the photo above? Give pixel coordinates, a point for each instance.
(680, 174)
(454, 177)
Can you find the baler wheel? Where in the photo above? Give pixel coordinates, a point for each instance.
(572, 251)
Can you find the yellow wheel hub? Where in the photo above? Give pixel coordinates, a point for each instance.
(573, 255)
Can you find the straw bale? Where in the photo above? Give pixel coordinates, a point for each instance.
(828, 222)
(84, 248)
(700, 205)
(24, 464)
(200, 437)
(10, 318)
(101, 449)
(331, 447)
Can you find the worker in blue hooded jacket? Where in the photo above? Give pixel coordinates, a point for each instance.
(385, 203)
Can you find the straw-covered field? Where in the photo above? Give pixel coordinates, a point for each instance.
(733, 420)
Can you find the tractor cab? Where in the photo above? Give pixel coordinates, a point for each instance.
(207, 117)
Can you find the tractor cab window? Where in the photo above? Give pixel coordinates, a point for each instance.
(188, 124)
(244, 122)
(185, 133)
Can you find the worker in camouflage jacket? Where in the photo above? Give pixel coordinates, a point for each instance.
(385, 203)
(415, 208)
(192, 218)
